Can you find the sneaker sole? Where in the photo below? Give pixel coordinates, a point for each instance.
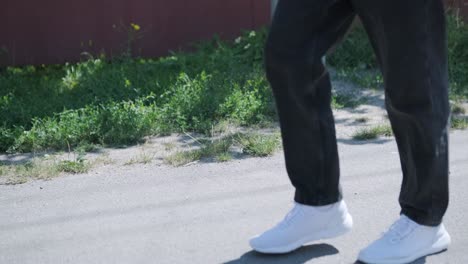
(440, 244)
(342, 229)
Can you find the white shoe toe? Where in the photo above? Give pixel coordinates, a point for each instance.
(304, 224)
(405, 242)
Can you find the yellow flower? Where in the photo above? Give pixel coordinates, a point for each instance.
(135, 27)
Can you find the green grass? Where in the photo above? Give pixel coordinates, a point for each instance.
(223, 157)
(459, 122)
(355, 52)
(253, 144)
(117, 102)
(72, 166)
(368, 79)
(142, 158)
(77, 164)
(42, 168)
(183, 157)
(37, 168)
(354, 59)
(217, 148)
(458, 56)
(373, 132)
(259, 145)
(458, 109)
(103, 102)
(340, 101)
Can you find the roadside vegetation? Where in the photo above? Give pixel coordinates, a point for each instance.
(373, 132)
(43, 168)
(226, 147)
(120, 101)
(354, 59)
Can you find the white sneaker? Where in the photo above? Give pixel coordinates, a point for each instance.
(304, 224)
(405, 242)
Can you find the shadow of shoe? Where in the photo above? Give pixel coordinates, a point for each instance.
(421, 260)
(299, 256)
(418, 261)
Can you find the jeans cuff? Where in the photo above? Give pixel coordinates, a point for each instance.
(317, 200)
(427, 220)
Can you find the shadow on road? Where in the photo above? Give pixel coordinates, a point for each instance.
(364, 142)
(418, 261)
(299, 256)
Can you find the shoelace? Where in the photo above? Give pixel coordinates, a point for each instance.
(400, 229)
(290, 216)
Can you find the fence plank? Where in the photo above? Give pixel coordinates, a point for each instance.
(53, 31)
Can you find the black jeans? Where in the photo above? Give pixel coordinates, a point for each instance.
(409, 39)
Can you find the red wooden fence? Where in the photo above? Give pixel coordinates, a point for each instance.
(460, 7)
(57, 31)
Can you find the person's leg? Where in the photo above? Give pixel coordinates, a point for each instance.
(410, 42)
(301, 32)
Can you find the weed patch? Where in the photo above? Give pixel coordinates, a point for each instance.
(459, 122)
(259, 145)
(340, 101)
(142, 158)
(458, 109)
(254, 144)
(37, 168)
(72, 166)
(183, 157)
(373, 132)
(217, 148)
(223, 157)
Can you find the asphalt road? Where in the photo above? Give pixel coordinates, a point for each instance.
(206, 213)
